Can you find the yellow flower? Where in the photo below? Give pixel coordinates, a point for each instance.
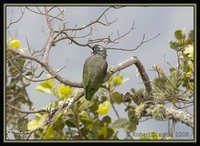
(189, 50)
(14, 44)
(63, 91)
(104, 108)
(117, 80)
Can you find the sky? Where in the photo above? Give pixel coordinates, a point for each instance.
(148, 20)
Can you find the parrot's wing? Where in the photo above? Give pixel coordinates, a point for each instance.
(86, 74)
(98, 73)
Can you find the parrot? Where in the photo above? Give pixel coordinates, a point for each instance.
(94, 71)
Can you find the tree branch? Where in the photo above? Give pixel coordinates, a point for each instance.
(40, 12)
(159, 112)
(140, 67)
(145, 79)
(50, 70)
(91, 23)
(13, 22)
(143, 41)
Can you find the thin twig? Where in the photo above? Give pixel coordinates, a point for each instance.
(91, 23)
(16, 21)
(134, 49)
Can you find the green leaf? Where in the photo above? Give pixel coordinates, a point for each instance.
(120, 123)
(58, 124)
(70, 119)
(144, 137)
(84, 130)
(46, 86)
(107, 119)
(43, 89)
(48, 83)
(84, 117)
(180, 43)
(94, 105)
(103, 130)
(39, 120)
(187, 42)
(32, 125)
(191, 36)
(130, 127)
(85, 104)
(29, 73)
(110, 133)
(154, 135)
(52, 134)
(179, 34)
(117, 97)
(173, 45)
(172, 69)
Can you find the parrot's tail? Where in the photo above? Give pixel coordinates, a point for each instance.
(89, 93)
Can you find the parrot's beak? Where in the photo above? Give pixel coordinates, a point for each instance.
(92, 51)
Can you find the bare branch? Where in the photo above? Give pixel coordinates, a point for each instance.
(145, 79)
(141, 43)
(40, 13)
(41, 110)
(55, 17)
(72, 40)
(16, 21)
(48, 44)
(87, 25)
(127, 63)
(132, 28)
(50, 70)
(120, 66)
(107, 23)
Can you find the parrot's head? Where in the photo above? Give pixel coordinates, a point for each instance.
(98, 49)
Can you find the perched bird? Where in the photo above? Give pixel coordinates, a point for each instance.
(94, 71)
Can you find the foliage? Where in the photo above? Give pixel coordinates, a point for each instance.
(16, 93)
(181, 78)
(86, 119)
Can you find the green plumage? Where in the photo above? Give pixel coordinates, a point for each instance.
(94, 71)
